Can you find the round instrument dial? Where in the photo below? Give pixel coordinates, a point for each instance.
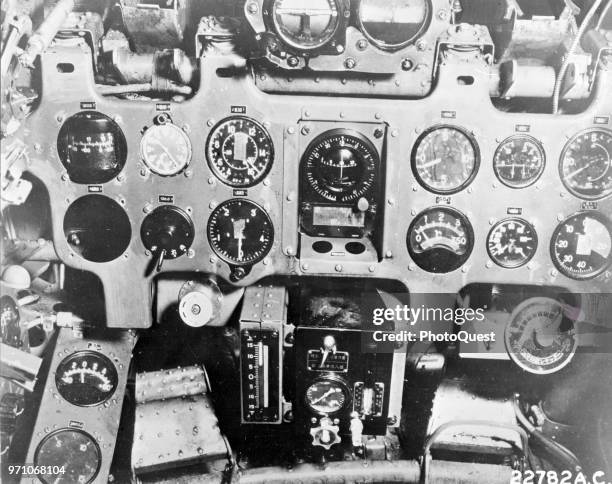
(394, 24)
(86, 378)
(445, 159)
(586, 164)
(539, 337)
(165, 149)
(440, 239)
(341, 165)
(306, 25)
(581, 246)
(240, 232)
(92, 148)
(240, 151)
(512, 243)
(327, 396)
(74, 451)
(519, 161)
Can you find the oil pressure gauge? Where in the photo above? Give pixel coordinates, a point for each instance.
(440, 239)
(512, 243)
(165, 149)
(86, 378)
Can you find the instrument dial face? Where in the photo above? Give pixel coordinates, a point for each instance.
(306, 25)
(86, 378)
(512, 243)
(586, 165)
(74, 450)
(327, 396)
(240, 232)
(240, 152)
(519, 161)
(581, 246)
(445, 159)
(341, 166)
(539, 337)
(440, 239)
(393, 24)
(165, 149)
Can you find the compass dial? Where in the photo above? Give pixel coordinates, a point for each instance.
(341, 166)
(306, 25)
(86, 378)
(512, 243)
(519, 161)
(240, 232)
(240, 152)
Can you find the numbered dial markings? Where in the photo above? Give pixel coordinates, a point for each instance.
(581, 246)
(440, 239)
(86, 378)
(512, 243)
(445, 160)
(327, 396)
(540, 338)
(519, 161)
(586, 165)
(306, 25)
(341, 166)
(240, 232)
(165, 149)
(240, 152)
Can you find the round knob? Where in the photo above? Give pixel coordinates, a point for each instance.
(199, 303)
(363, 204)
(329, 342)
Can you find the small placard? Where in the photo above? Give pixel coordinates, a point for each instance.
(88, 105)
(240, 192)
(94, 188)
(515, 211)
(166, 198)
(238, 109)
(601, 120)
(164, 107)
(443, 200)
(75, 424)
(449, 114)
(590, 205)
(522, 128)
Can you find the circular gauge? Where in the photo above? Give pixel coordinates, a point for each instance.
(327, 396)
(75, 451)
(240, 151)
(341, 165)
(440, 239)
(581, 246)
(512, 243)
(306, 25)
(519, 161)
(240, 232)
(539, 337)
(394, 24)
(586, 164)
(92, 147)
(165, 149)
(445, 159)
(86, 378)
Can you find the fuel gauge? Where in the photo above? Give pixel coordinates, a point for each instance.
(86, 378)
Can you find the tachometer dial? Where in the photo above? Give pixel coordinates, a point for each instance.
(306, 25)
(86, 378)
(539, 337)
(445, 159)
(327, 396)
(440, 239)
(581, 246)
(240, 232)
(73, 451)
(586, 164)
(165, 149)
(512, 243)
(519, 161)
(240, 151)
(341, 165)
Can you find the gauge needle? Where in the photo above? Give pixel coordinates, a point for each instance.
(579, 170)
(437, 161)
(165, 150)
(252, 165)
(239, 226)
(325, 395)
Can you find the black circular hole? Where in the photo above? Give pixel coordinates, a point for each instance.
(355, 248)
(97, 228)
(322, 246)
(92, 147)
(36, 336)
